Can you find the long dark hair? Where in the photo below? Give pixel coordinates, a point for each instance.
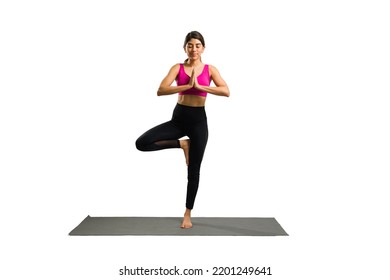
(194, 35)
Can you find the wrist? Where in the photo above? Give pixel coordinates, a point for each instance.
(199, 87)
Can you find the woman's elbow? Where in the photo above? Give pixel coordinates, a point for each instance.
(162, 90)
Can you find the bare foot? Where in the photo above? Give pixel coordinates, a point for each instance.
(186, 223)
(185, 145)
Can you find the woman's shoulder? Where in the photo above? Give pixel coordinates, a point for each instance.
(212, 69)
(175, 67)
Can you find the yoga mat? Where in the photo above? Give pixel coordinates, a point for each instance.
(171, 226)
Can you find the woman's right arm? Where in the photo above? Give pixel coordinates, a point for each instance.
(166, 87)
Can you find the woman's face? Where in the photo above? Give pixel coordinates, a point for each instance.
(194, 49)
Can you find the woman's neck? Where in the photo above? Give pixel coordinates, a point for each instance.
(194, 63)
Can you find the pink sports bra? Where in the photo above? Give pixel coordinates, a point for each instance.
(203, 79)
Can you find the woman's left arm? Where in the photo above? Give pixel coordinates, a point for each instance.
(220, 88)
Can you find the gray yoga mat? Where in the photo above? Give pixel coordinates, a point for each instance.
(170, 226)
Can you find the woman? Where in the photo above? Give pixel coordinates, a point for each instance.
(193, 79)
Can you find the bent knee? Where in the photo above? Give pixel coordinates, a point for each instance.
(140, 144)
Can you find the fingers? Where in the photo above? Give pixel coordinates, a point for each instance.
(195, 84)
(192, 78)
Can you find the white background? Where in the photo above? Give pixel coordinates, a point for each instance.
(303, 138)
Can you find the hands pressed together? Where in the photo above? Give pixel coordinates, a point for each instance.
(193, 80)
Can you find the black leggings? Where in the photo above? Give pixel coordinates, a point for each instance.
(186, 121)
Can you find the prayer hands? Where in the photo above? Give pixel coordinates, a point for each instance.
(193, 80)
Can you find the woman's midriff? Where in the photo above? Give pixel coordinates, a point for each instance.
(191, 100)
